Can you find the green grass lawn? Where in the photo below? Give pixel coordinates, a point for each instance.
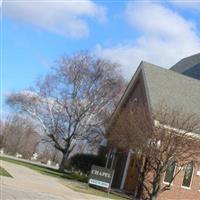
(89, 190)
(3, 172)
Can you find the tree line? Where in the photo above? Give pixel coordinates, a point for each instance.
(18, 135)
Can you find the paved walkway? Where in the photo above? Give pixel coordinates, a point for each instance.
(27, 184)
(11, 193)
(29, 161)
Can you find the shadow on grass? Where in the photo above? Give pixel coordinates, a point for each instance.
(94, 191)
(47, 170)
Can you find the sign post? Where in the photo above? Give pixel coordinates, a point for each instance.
(100, 176)
(111, 181)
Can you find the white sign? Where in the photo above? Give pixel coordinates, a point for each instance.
(49, 162)
(18, 155)
(34, 157)
(1, 151)
(101, 176)
(99, 183)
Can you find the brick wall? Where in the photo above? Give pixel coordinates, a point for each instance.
(178, 193)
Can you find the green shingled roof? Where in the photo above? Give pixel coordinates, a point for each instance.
(186, 63)
(174, 89)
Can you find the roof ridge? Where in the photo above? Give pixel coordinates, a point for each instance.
(186, 63)
(147, 64)
(194, 55)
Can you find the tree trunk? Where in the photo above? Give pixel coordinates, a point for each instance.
(153, 197)
(64, 159)
(156, 187)
(139, 190)
(141, 178)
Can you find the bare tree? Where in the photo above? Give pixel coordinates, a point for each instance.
(73, 101)
(156, 138)
(1, 135)
(46, 151)
(19, 136)
(1, 141)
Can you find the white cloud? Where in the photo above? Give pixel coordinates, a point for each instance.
(66, 18)
(165, 37)
(191, 4)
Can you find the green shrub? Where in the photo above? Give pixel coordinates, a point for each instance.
(1, 141)
(78, 177)
(84, 162)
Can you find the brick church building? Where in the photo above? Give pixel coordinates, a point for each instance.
(179, 85)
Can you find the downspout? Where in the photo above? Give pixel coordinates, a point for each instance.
(108, 158)
(125, 169)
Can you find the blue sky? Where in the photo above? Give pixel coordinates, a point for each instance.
(36, 33)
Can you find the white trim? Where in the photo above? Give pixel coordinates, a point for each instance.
(185, 187)
(146, 88)
(167, 183)
(125, 170)
(113, 158)
(191, 134)
(108, 158)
